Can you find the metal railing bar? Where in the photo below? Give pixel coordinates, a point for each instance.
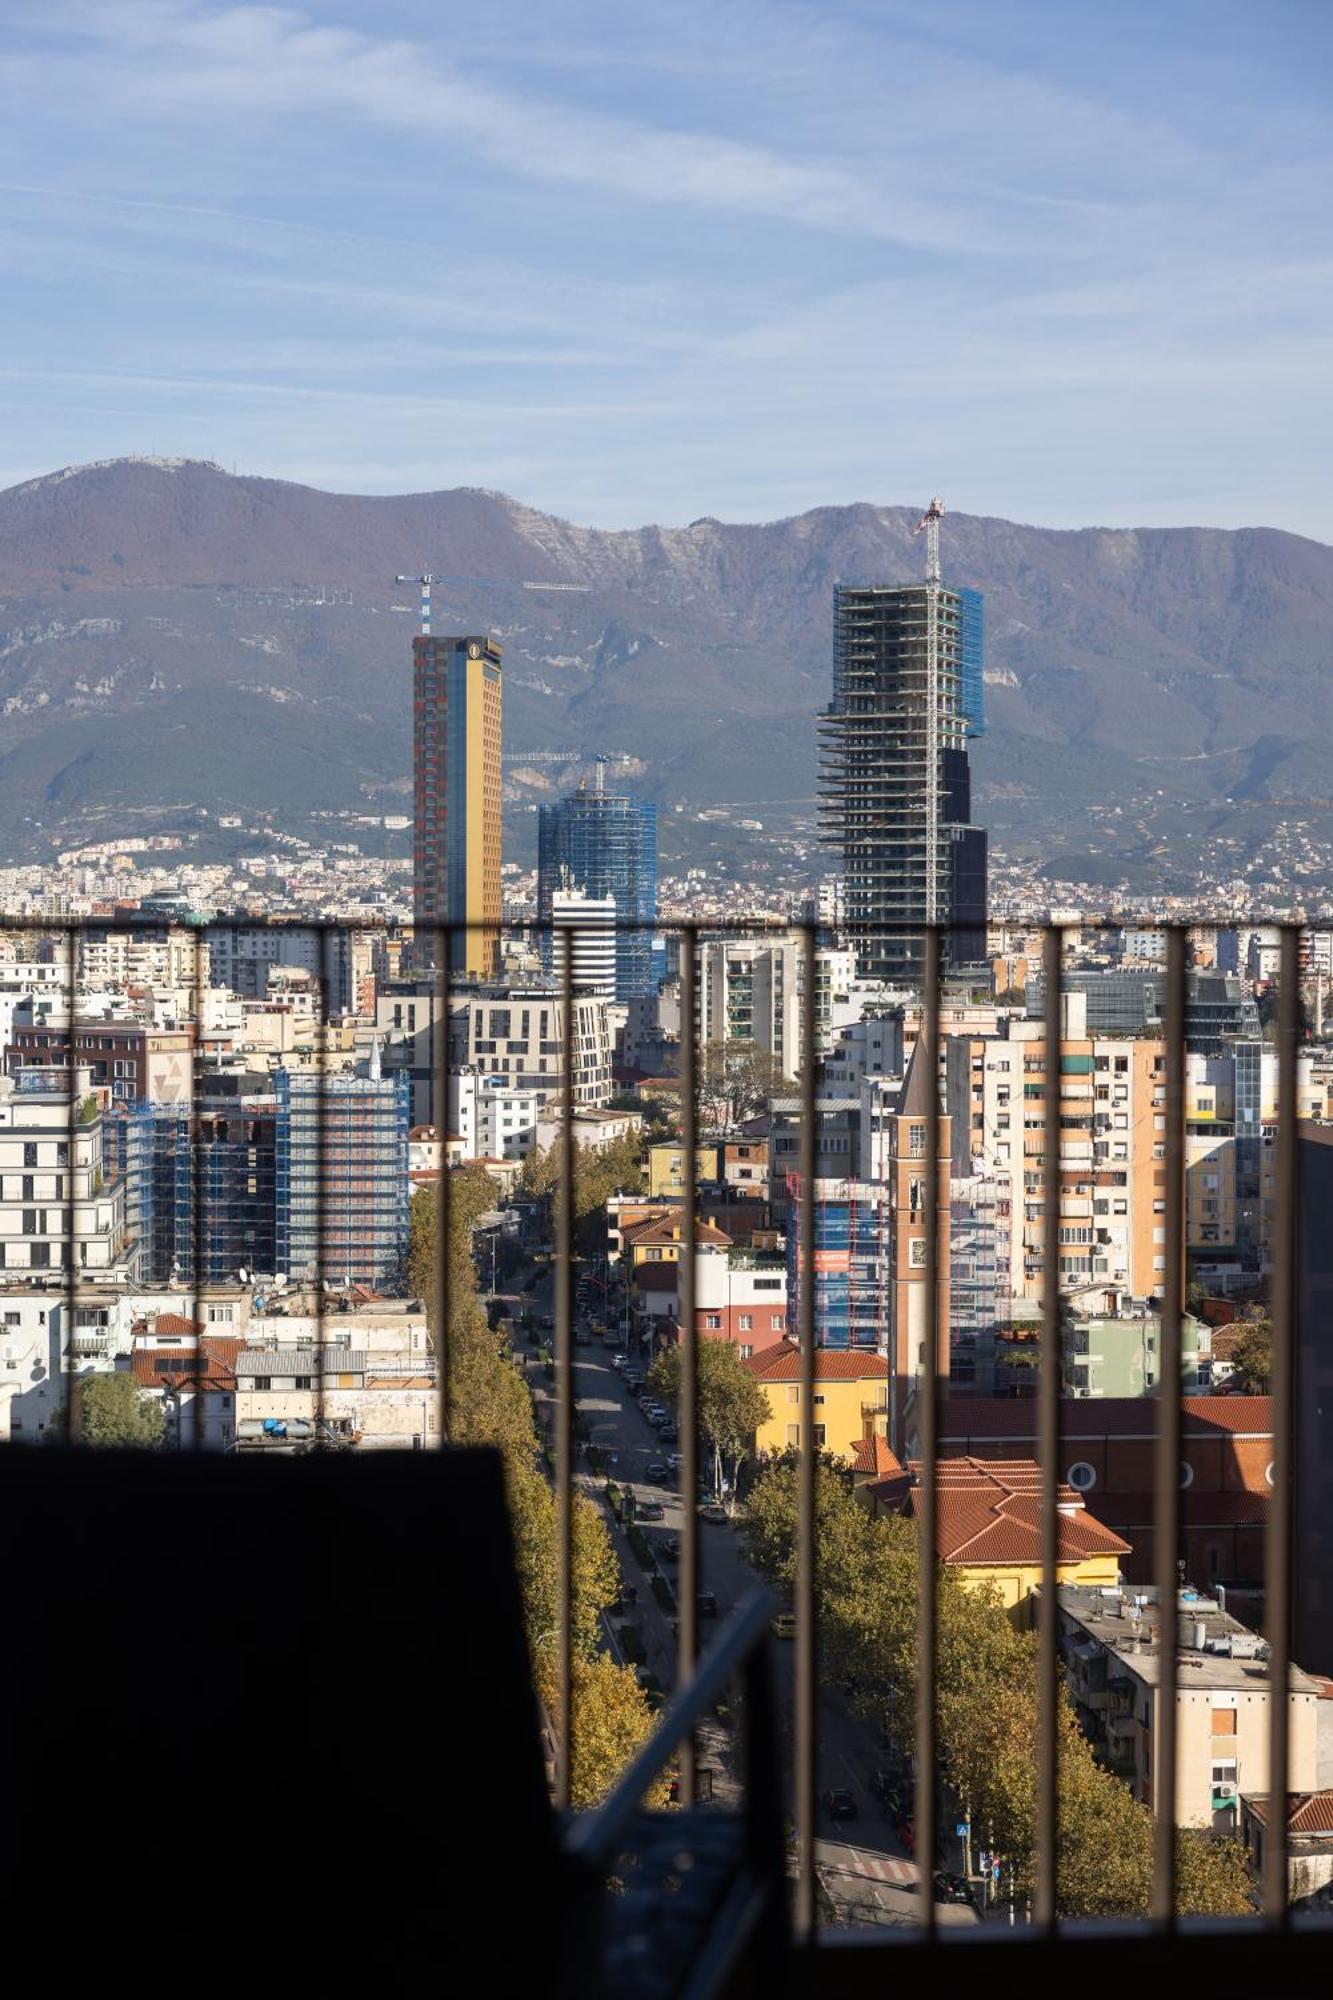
(198, 1234)
(70, 1282)
(1166, 1496)
(1278, 1576)
(437, 1043)
(594, 1836)
(806, 1773)
(321, 1167)
(926, 1372)
(688, 1578)
(1048, 1427)
(564, 1397)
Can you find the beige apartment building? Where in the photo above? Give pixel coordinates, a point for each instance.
(1112, 1114)
(1112, 1646)
(375, 1400)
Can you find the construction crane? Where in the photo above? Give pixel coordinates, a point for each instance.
(929, 524)
(566, 757)
(431, 577)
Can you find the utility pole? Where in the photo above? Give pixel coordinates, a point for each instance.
(930, 525)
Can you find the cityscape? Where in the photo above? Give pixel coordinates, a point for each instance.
(721, 1135)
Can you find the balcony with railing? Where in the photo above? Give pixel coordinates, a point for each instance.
(350, 1627)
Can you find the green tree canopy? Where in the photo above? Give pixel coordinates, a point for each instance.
(112, 1410)
(599, 1173)
(986, 1704)
(732, 1405)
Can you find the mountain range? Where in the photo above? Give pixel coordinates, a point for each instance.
(173, 637)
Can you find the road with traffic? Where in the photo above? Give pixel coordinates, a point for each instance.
(864, 1866)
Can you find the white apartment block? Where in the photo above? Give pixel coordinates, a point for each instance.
(517, 1035)
(586, 927)
(492, 1118)
(59, 1210)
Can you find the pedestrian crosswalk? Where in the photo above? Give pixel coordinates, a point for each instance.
(887, 1868)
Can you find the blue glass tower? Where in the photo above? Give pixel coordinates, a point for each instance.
(972, 690)
(607, 846)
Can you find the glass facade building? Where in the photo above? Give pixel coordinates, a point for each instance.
(605, 845)
(341, 1177)
(972, 651)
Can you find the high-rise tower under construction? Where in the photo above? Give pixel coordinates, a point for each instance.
(896, 781)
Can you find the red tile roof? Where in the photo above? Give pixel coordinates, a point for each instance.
(1307, 1812)
(872, 1457)
(668, 1229)
(988, 1511)
(782, 1363)
(992, 1417)
(210, 1365)
(174, 1323)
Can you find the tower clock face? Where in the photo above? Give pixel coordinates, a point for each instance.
(474, 651)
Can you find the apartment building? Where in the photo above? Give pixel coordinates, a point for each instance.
(518, 1034)
(1112, 1114)
(288, 1396)
(490, 1117)
(1113, 1643)
(62, 1205)
(140, 957)
(850, 1399)
(127, 1061)
(341, 1177)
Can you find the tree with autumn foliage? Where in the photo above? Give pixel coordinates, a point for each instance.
(489, 1404)
(986, 1705)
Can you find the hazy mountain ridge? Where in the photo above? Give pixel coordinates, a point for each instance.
(171, 632)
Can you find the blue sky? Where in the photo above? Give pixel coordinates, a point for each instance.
(736, 257)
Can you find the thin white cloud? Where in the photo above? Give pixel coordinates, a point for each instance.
(182, 64)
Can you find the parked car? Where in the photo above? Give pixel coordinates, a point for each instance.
(650, 1510)
(839, 1803)
(657, 1470)
(617, 1361)
(629, 1593)
(670, 1430)
(784, 1625)
(669, 1548)
(674, 1459)
(951, 1888)
(713, 1513)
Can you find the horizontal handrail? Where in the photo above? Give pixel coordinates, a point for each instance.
(593, 1837)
